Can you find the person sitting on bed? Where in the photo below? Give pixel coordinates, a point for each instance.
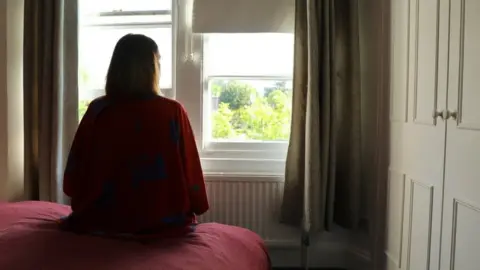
(133, 168)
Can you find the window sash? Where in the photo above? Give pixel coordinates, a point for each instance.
(145, 19)
(234, 157)
(280, 77)
(95, 6)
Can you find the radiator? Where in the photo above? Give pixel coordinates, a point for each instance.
(252, 203)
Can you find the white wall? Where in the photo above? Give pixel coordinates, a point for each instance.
(11, 100)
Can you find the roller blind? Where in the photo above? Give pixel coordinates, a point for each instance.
(243, 16)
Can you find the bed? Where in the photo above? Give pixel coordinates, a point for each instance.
(29, 239)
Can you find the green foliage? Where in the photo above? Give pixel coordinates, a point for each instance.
(222, 126)
(236, 94)
(266, 118)
(82, 108)
(216, 87)
(281, 85)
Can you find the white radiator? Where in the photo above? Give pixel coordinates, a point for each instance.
(252, 203)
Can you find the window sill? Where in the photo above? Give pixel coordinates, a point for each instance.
(243, 166)
(242, 177)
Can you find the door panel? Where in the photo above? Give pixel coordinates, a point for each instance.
(399, 66)
(425, 62)
(420, 227)
(419, 84)
(425, 143)
(461, 218)
(469, 66)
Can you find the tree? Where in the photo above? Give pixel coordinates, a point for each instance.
(217, 87)
(82, 108)
(236, 94)
(279, 85)
(266, 118)
(222, 127)
(277, 99)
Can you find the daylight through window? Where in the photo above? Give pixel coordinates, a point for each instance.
(249, 86)
(103, 23)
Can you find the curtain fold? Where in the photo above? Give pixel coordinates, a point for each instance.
(50, 93)
(323, 168)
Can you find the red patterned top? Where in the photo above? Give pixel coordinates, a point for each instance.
(134, 169)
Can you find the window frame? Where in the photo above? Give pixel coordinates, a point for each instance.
(250, 158)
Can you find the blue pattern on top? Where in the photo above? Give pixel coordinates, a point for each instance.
(107, 195)
(150, 172)
(175, 220)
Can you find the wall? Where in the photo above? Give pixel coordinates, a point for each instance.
(11, 100)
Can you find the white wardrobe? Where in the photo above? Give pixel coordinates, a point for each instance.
(433, 218)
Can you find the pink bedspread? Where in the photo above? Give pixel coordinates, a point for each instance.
(29, 239)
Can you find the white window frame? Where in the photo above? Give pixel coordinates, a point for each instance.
(250, 158)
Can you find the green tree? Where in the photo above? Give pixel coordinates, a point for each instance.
(236, 94)
(279, 85)
(222, 126)
(217, 87)
(278, 99)
(267, 118)
(82, 108)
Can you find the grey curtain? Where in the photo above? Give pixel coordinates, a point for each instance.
(50, 93)
(323, 168)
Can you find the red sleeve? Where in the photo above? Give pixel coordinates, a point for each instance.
(76, 159)
(192, 166)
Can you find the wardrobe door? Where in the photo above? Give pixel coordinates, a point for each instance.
(461, 226)
(418, 91)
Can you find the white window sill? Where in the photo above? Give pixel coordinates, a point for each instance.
(244, 158)
(242, 177)
(243, 166)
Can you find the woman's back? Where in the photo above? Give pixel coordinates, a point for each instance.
(134, 168)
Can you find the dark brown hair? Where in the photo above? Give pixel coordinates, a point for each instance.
(134, 68)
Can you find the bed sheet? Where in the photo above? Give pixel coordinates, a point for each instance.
(29, 239)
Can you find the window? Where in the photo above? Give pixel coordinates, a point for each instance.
(237, 90)
(249, 87)
(247, 99)
(103, 23)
